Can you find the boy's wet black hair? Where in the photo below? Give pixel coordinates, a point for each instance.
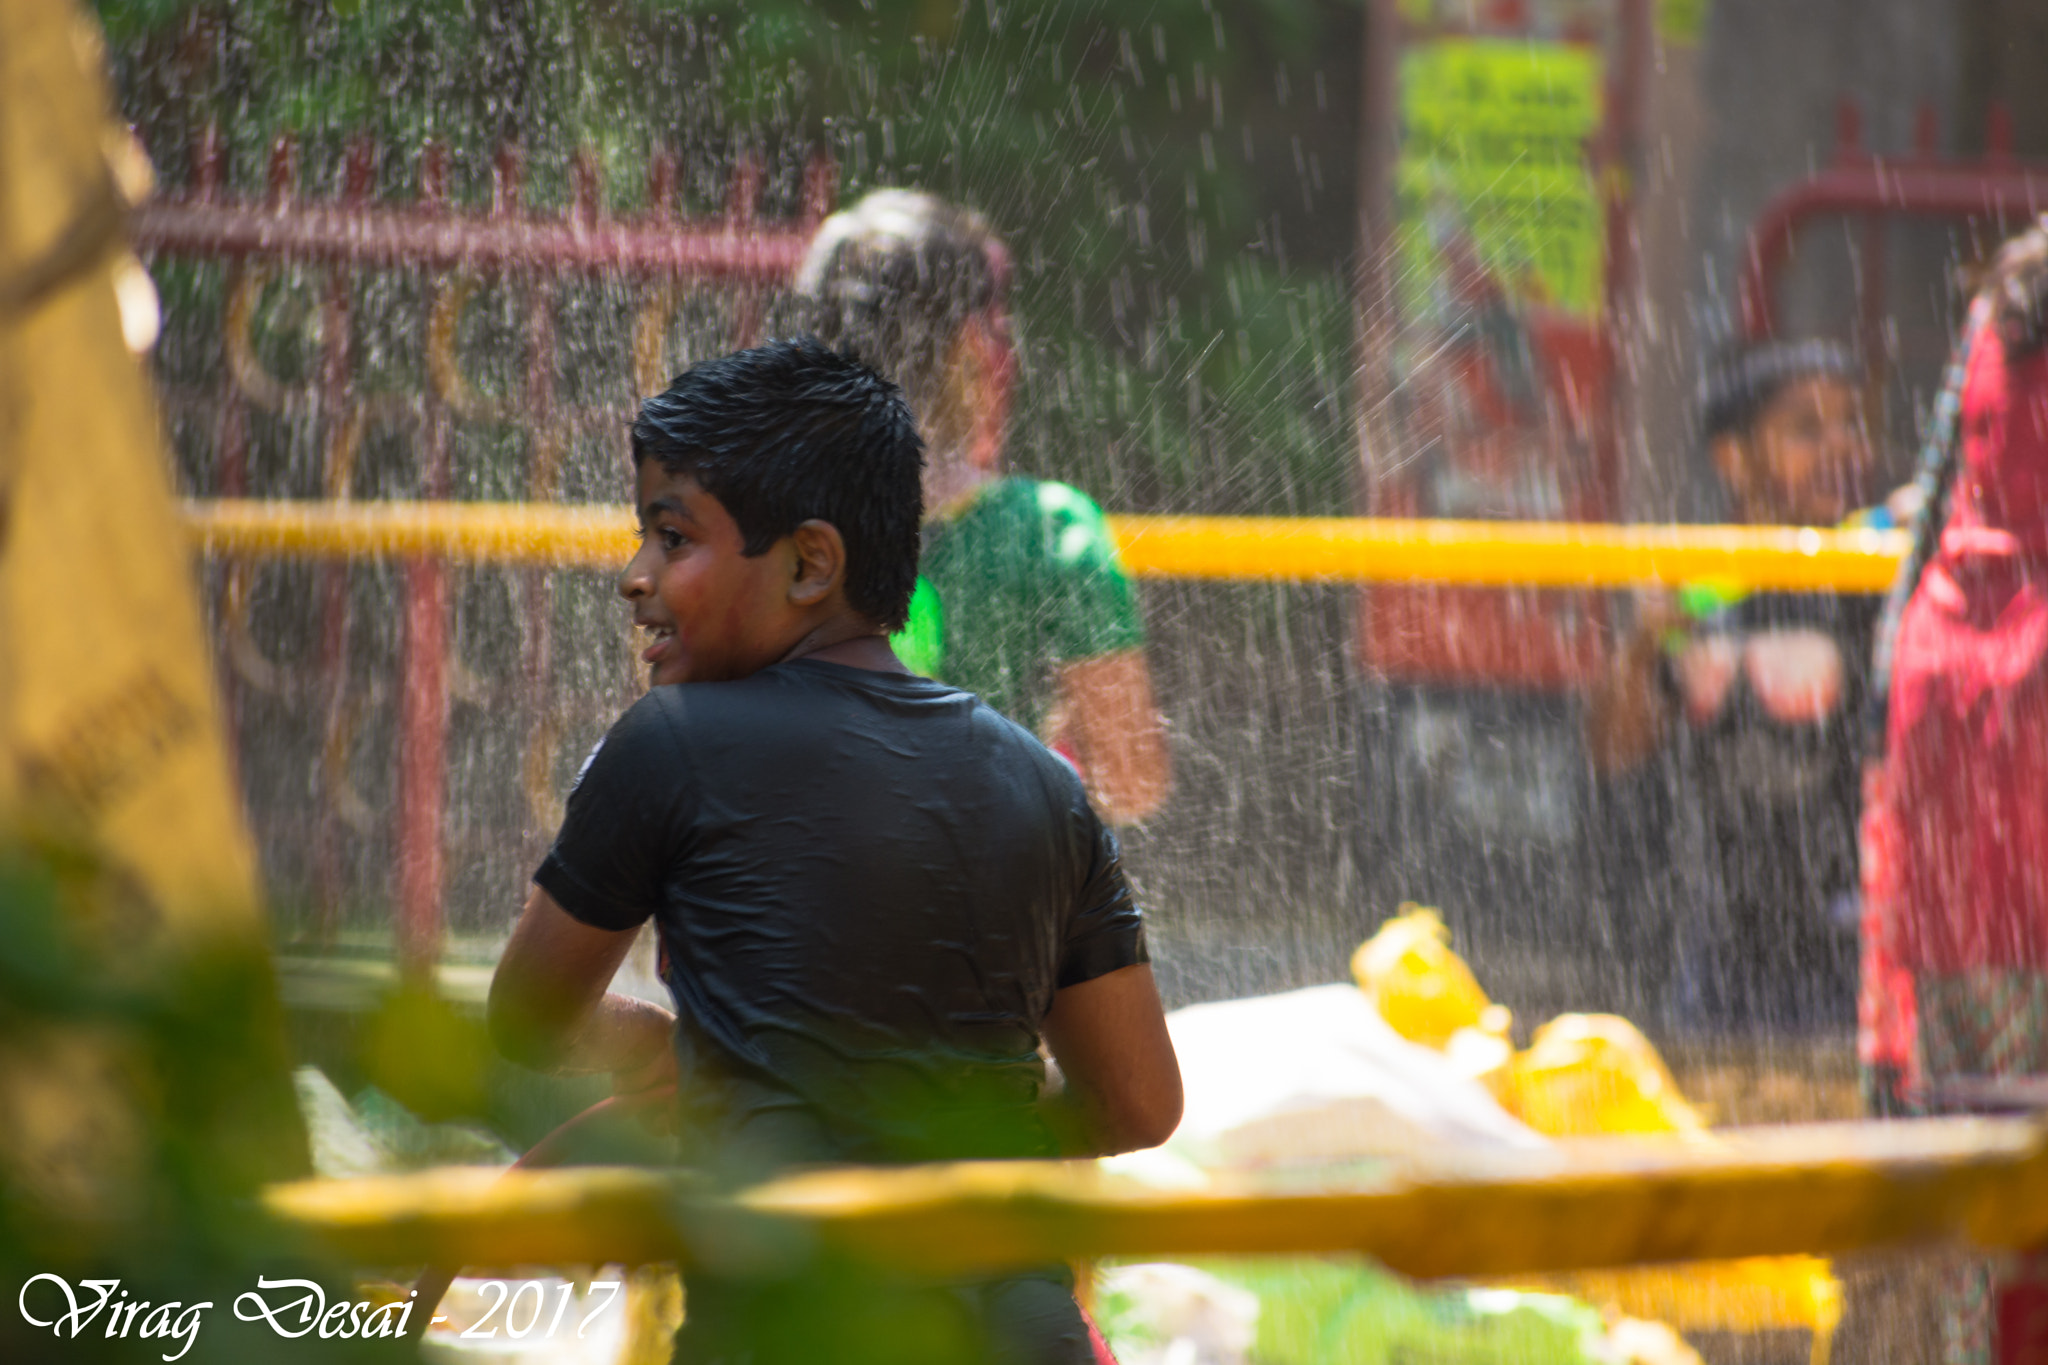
(791, 431)
(1744, 379)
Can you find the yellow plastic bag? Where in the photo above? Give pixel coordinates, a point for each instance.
(1585, 1074)
(1421, 988)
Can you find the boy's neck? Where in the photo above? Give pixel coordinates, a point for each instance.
(870, 652)
(853, 641)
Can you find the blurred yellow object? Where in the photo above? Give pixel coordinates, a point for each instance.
(1421, 988)
(1756, 1294)
(112, 756)
(654, 1310)
(1577, 1206)
(1246, 549)
(1587, 1074)
(109, 728)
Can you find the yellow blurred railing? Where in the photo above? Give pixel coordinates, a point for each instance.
(1604, 1203)
(1823, 1188)
(1328, 549)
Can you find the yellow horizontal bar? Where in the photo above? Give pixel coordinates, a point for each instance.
(592, 536)
(1823, 1189)
(1504, 553)
(1359, 549)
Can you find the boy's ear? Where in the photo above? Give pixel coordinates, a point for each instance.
(820, 562)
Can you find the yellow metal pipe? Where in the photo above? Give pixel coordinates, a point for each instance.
(506, 532)
(1503, 553)
(1824, 1189)
(1314, 549)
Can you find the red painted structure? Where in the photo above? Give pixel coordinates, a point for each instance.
(1552, 641)
(1994, 189)
(1551, 452)
(435, 239)
(431, 235)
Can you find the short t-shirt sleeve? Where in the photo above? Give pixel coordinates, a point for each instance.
(1094, 610)
(627, 816)
(1106, 932)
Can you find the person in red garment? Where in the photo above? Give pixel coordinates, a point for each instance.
(1955, 990)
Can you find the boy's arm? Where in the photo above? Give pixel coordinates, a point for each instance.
(1627, 711)
(1122, 1081)
(1117, 732)
(549, 1009)
(1105, 705)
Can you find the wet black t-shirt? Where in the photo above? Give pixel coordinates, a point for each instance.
(868, 887)
(1772, 691)
(1775, 743)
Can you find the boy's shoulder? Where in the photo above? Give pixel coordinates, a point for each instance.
(811, 707)
(786, 691)
(806, 693)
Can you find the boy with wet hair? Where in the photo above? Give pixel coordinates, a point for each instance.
(1783, 425)
(1022, 599)
(1736, 713)
(875, 895)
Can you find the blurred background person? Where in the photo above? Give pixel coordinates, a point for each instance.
(1021, 598)
(1735, 714)
(1959, 814)
(1957, 931)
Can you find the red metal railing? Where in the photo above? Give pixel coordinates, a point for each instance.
(429, 234)
(1994, 188)
(450, 246)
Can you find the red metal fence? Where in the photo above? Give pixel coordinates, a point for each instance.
(1995, 190)
(450, 248)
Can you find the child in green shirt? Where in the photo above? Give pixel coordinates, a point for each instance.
(1022, 599)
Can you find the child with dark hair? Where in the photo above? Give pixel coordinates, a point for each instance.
(1783, 424)
(1955, 993)
(1749, 704)
(876, 896)
(1023, 600)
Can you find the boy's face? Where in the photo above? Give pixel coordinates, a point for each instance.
(715, 613)
(1806, 461)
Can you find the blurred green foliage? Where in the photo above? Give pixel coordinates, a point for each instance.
(427, 1054)
(1173, 175)
(143, 1102)
(1319, 1309)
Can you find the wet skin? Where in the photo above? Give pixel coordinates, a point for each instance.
(1805, 461)
(718, 613)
